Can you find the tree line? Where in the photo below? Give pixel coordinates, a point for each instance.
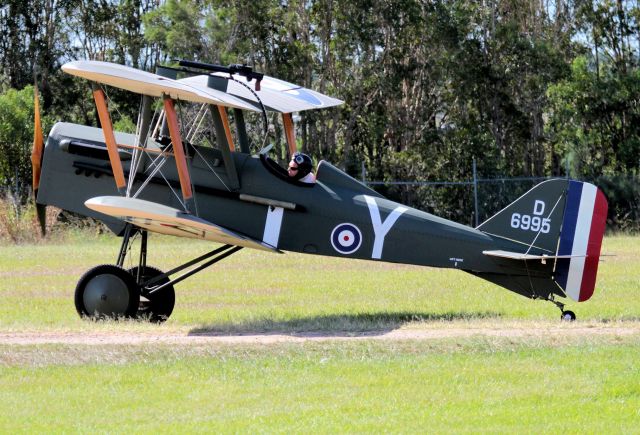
(528, 88)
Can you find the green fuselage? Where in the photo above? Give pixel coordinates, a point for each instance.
(338, 216)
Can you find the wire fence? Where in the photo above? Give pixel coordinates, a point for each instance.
(469, 202)
(473, 201)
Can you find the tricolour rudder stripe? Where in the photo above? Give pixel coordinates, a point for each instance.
(581, 237)
(598, 223)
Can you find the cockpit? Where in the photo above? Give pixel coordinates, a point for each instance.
(274, 168)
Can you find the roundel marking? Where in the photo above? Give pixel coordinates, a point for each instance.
(304, 95)
(346, 238)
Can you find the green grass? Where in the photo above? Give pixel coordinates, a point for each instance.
(568, 383)
(256, 291)
(466, 386)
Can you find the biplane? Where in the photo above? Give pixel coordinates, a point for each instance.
(199, 179)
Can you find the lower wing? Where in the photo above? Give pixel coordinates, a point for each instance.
(162, 219)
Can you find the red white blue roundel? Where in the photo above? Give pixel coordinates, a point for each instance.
(346, 238)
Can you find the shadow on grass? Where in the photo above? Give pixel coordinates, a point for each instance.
(336, 325)
(623, 318)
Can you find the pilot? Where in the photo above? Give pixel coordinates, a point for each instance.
(300, 168)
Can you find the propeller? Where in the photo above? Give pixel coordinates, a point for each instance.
(36, 160)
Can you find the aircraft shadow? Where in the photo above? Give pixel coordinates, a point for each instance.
(336, 325)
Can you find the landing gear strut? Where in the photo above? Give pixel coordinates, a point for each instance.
(567, 315)
(143, 292)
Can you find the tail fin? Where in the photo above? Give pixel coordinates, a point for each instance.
(559, 219)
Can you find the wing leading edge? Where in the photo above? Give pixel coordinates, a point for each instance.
(146, 83)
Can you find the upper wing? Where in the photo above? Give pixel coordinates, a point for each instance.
(161, 219)
(276, 95)
(146, 83)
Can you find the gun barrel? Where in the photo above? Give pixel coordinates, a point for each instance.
(205, 66)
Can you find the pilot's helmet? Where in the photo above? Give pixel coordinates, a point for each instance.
(304, 164)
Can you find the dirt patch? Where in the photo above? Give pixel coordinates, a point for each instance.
(429, 332)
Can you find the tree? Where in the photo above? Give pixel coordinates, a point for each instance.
(16, 137)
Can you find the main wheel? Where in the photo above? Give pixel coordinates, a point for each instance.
(568, 316)
(158, 306)
(107, 291)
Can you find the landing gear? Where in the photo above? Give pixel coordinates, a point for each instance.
(155, 307)
(107, 291)
(567, 316)
(142, 292)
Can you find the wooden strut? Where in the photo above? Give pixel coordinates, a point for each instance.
(109, 138)
(289, 132)
(227, 129)
(178, 150)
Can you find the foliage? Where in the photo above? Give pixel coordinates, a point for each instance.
(595, 119)
(527, 88)
(18, 224)
(623, 196)
(16, 137)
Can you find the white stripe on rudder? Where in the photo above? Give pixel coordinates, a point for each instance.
(581, 240)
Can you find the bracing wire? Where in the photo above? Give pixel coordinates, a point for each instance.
(136, 155)
(265, 121)
(197, 121)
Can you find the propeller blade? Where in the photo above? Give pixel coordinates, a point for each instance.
(36, 158)
(38, 143)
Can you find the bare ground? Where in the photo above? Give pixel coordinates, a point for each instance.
(422, 332)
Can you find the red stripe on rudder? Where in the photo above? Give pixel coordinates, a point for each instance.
(596, 233)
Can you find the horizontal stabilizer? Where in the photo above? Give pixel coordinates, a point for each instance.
(159, 218)
(522, 256)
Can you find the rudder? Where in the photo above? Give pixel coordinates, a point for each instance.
(582, 232)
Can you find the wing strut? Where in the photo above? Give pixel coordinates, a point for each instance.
(109, 137)
(227, 129)
(225, 146)
(241, 131)
(287, 120)
(178, 150)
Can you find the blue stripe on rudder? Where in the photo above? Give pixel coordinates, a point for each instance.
(568, 231)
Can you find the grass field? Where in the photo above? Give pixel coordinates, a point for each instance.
(573, 383)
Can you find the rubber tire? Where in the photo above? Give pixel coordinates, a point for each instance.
(158, 308)
(568, 316)
(127, 303)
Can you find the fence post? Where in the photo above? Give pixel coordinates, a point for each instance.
(475, 191)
